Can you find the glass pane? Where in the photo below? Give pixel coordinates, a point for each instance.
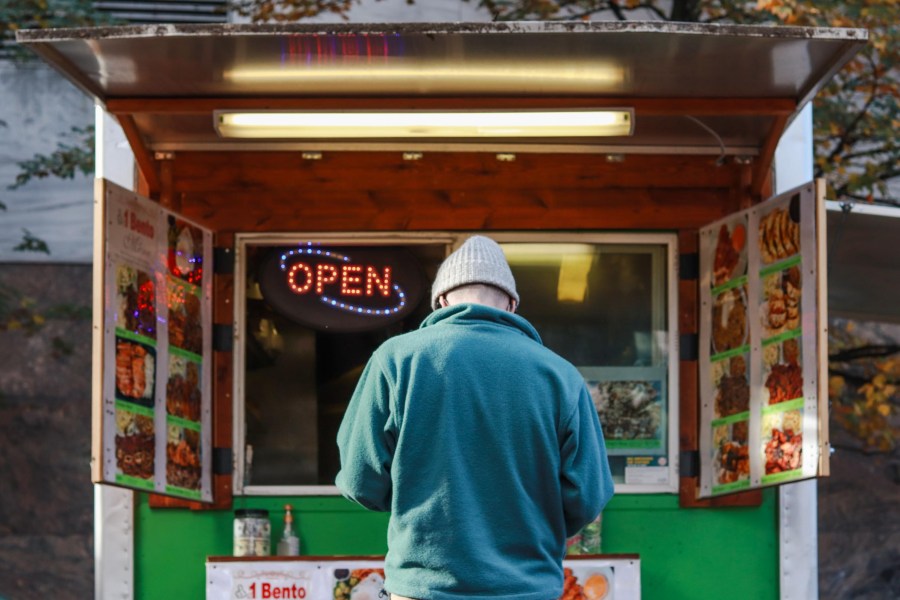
(603, 307)
(298, 382)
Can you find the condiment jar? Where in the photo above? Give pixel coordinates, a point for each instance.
(252, 532)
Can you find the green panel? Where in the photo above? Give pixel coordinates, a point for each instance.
(698, 553)
(171, 545)
(685, 553)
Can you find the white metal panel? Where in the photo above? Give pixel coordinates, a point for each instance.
(797, 502)
(113, 543)
(113, 507)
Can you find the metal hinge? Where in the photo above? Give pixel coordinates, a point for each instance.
(223, 337)
(689, 463)
(689, 346)
(222, 461)
(688, 266)
(223, 260)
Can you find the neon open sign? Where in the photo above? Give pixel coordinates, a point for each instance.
(341, 289)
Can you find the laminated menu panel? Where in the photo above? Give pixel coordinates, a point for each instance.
(152, 347)
(763, 413)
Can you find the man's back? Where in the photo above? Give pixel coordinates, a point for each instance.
(491, 454)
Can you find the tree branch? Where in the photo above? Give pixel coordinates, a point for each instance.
(872, 152)
(868, 351)
(858, 379)
(841, 190)
(859, 450)
(846, 138)
(867, 200)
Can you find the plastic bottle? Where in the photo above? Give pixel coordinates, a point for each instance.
(289, 544)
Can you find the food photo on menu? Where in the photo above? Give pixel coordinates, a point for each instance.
(185, 323)
(731, 453)
(780, 306)
(779, 233)
(729, 320)
(782, 371)
(183, 388)
(358, 584)
(730, 380)
(183, 457)
(629, 410)
(730, 259)
(135, 372)
(185, 251)
(135, 301)
(135, 444)
(782, 441)
(587, 583)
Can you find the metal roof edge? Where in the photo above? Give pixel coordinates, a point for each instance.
(35, 36)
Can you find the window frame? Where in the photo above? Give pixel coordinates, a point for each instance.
(451, 240)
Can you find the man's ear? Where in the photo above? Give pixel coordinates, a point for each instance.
(442, 300)
(513, 305)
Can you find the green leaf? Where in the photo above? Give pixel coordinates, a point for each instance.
(64, 162)
(30, 243)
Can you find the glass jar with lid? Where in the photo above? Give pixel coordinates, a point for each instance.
(252, 532)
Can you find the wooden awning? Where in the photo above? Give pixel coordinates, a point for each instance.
(695, 89)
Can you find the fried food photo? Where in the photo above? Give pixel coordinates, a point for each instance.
(134, 454)
(183, 458)
(781, 301)
(729, 252)
(783, 372)
(732, 460)
(571, 589)
(136, 299)
(731, 387)
(783, 449)
(135, 370)
(779, 236)
(729, 320)
(183, 396)
(185, 322)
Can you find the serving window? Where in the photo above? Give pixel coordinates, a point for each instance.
(606, 303)
(312, 309)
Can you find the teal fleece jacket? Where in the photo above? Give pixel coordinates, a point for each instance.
(485, 447)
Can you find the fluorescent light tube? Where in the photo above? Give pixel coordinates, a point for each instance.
(424, 124)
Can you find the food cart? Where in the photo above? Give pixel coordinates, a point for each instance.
(264, 250)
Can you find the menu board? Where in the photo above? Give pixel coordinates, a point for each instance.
(591, 578)
(155, 421)
(761, 340)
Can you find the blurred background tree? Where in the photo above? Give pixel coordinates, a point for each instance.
(74, 152)
(864, 384)
(74, 149)
(855, 117)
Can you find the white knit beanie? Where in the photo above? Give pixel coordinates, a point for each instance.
(478, 260)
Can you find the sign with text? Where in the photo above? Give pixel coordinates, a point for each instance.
(153, 349)
(341, 288)
(763, 378)
(324, 578)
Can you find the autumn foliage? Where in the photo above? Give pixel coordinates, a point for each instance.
(863, 384)
(856, 116)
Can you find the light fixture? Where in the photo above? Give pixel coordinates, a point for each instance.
(573, 260)
(425, 124)
(385, 74)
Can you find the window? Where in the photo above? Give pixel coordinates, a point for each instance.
(601, 301)
(606, 304)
